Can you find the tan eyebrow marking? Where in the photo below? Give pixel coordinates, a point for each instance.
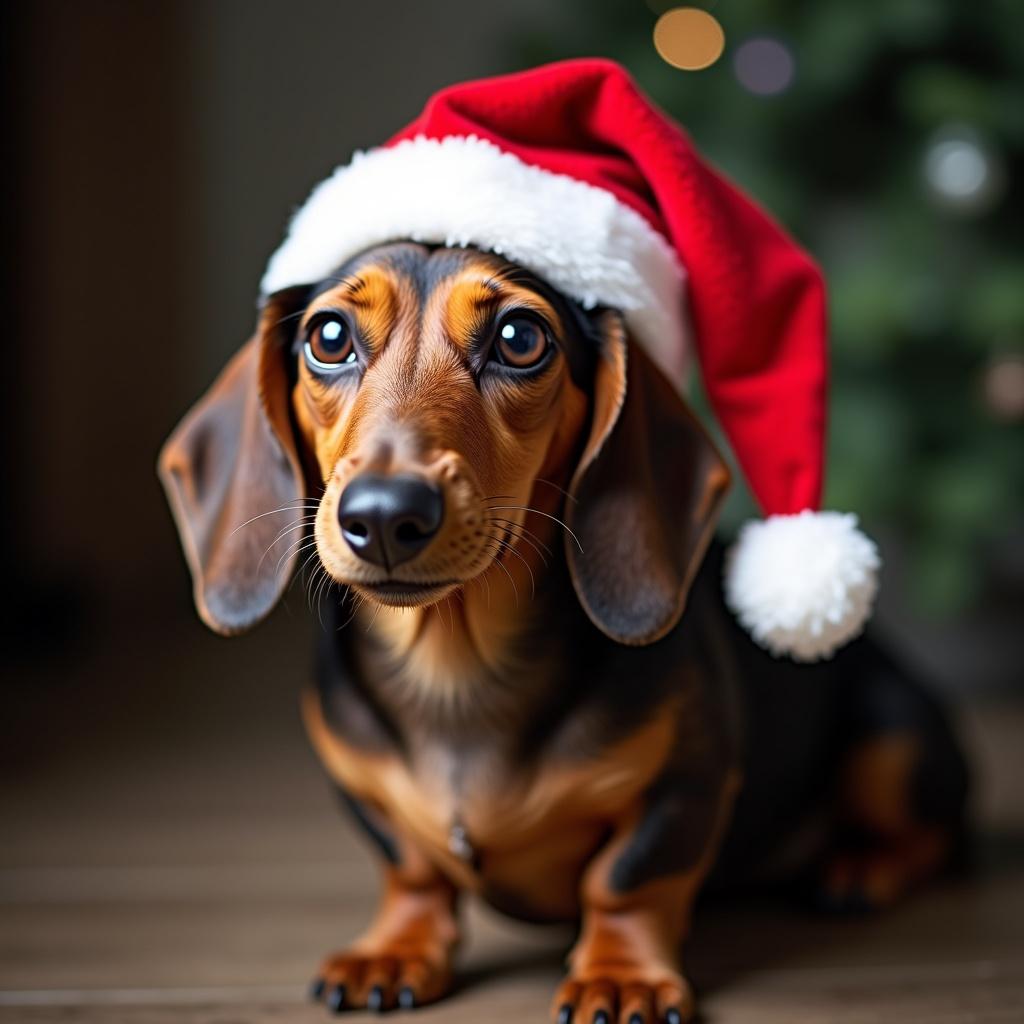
(372, 296)
(471, 304)
(474, 301)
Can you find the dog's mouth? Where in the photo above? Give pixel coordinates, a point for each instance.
(403, 594)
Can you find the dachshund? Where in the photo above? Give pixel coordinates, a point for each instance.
(527, 684)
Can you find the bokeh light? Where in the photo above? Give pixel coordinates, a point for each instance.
(1004, 387)
(689, 38)
(764, 66)
(963, 174)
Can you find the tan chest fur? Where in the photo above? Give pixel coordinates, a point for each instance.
(532, 830)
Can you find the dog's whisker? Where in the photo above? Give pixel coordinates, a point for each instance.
(291, 549)
(301, 549)
(525, 529)
(307, 584)
(304, 503)
(505, 546)
(302, 312)
(302, 521)
(276, 541)
(546, 515)
(321, 591)
(289, 316)
(515, 590)
(318, 572)
(451, 615)
(525, 535)
(561, 490)
(288, 529)
(526, 540)
(481, 579)
(322, 594)
(324, 590)
(357, 603)
(487, 583)
(496, 560)
(318, 577)
(305, 565)
(373, 618)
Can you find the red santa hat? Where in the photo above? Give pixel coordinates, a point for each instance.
(570, 171)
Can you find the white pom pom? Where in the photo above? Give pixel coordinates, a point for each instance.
(804, 584)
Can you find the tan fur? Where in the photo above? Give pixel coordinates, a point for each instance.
(876, 794)
(504, 454)
(531, 821)
(876, 783)
(418, 409)
(482, 748)
(626, 959)
(409, 945)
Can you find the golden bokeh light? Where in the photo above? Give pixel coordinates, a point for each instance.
(689, 38)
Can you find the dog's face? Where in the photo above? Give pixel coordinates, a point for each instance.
(415, 409)
(434, 389)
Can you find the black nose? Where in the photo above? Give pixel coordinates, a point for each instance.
(389, 519)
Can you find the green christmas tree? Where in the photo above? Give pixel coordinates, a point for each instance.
(886, 135)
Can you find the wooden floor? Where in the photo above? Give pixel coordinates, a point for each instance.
(170, 853)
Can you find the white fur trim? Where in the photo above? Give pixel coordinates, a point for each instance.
(461, 191)
(802, 584)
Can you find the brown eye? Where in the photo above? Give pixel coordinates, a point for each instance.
(521, 342)
(329, 344)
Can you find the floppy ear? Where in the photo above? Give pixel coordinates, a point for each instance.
(230, 462)
(647, 490)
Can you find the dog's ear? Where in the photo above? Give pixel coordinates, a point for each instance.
(647, 492)
(228, 469)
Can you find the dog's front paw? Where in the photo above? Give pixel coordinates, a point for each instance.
(379, 982)
(617, 993)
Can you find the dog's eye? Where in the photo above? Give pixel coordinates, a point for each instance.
(329, 344)
(521, 341)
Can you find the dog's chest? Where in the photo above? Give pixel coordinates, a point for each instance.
(494, 824)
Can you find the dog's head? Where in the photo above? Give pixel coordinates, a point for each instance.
(413, 411)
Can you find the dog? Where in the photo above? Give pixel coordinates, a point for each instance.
(527, 684)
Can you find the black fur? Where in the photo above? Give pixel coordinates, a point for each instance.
(785, 727)
(371, 824)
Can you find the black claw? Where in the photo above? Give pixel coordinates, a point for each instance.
(336, 1000)
(407, 999)
(673, 1017)
(375, 1000)
(316, 989)
(601, 1017)
(565, 1014)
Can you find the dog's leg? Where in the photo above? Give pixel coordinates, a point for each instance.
(637, 897)
(902, 793)
(404, 959)
(888, 844)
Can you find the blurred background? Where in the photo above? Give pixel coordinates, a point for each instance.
(154, 153)
(889, 138)
(157, 150)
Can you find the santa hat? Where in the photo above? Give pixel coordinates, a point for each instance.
(570, 171)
